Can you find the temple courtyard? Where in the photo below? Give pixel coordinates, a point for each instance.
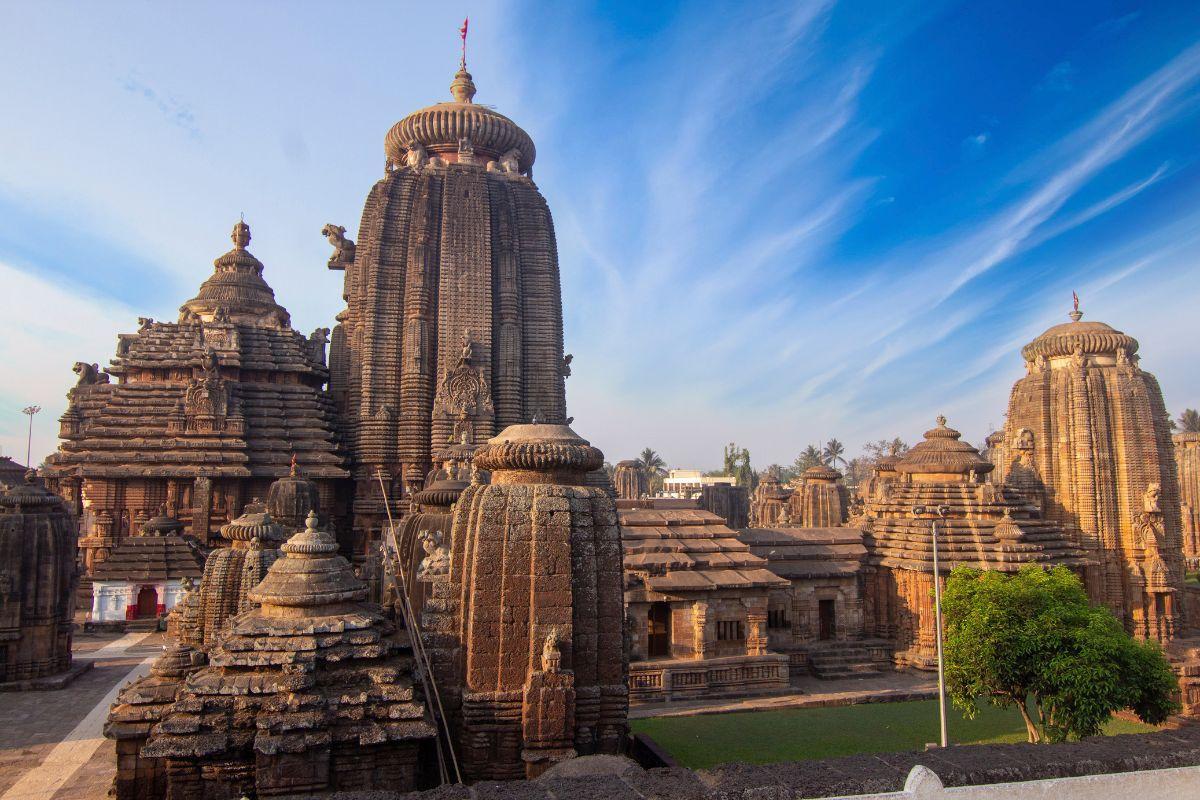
(52, 744)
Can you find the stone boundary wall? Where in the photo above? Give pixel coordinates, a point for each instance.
(1135, 765)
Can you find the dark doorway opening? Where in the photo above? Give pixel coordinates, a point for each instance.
(826, 617)
(658, 628)
(147, 604)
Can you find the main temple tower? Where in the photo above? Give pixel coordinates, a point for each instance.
(1088, 438)
(453, 324)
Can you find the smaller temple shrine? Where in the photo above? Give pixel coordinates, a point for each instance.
(986, 525)
(820, 500)
(697, 602)
(769, 503)
(143, 577)
(525, 618)
(37, 582)
(630, 480)
(310, 691)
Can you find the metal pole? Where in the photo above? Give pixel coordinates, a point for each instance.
(29, 411)
(937, 614)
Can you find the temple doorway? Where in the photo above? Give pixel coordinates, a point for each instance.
(658, 629)
(826, 617)
(147, 602)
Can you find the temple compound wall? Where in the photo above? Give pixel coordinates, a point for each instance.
(1088, 440)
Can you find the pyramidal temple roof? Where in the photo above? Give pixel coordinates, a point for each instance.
(236, 288)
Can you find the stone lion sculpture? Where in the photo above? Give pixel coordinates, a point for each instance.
(509, 163)
(343, 248)
(89, 374)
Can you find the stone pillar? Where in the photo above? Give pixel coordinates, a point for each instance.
(201, 508)
(700, 628)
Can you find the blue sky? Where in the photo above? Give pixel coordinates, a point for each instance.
(777, 222)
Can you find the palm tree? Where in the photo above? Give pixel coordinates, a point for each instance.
(1189, 421)
(655, 468)
(834, 453)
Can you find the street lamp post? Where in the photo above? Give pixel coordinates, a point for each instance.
(29, 411)
(941, 512)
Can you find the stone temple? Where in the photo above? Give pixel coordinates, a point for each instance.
(1088, 435)
(453, 320)
(197, 416)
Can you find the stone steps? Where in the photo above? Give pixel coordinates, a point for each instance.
(842, 660)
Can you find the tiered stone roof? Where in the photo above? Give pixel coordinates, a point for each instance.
(229, 390)
(988, 526)
(151, 558)
(313, 667)
(800, 553)
(675, 550)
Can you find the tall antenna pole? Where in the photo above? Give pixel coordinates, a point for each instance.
(29, 411)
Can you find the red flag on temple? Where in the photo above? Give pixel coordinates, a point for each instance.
(463, 30)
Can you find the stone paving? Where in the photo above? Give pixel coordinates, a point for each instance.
(51, 742)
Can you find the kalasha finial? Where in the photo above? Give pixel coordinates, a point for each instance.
(462, 88)
(1075, 314)
(941, 420)
(294, 471)
(241, 234)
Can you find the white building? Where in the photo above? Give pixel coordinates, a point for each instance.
(689, 482)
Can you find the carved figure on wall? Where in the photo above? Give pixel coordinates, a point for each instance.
(145, 322)
(566, 365)
(509, 163)
(437, 556)
(317, 340)
(464, 394)
(1150, 499)
(343, 248)
(1077, 357)
(416, 156)
(552, 652)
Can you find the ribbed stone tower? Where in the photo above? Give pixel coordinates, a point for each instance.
(1088, 437)
(1187, 461)
(821, 501)
(453, 322)
(527, 623)
(37, 582)
(630, 480)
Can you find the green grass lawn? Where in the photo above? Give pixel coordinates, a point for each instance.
(763, 737)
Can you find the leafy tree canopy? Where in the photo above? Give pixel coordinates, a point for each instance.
(1189, 421)
(1034, 638)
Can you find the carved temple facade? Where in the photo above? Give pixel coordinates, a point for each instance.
(1088, 439)
(198, 416)
(453, 319)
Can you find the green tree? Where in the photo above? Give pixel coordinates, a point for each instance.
(1189, 421)
(833, 453)
(1034, 639)
(810, 457)
(655, 468)
(737, 465)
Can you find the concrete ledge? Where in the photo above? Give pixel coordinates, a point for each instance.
(49, 683)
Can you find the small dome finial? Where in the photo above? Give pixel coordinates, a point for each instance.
(240, 235)
(462, 88)
(294, 469)
(941, 420)
(1075, 314)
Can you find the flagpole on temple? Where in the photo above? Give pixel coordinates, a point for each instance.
(463, 33)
